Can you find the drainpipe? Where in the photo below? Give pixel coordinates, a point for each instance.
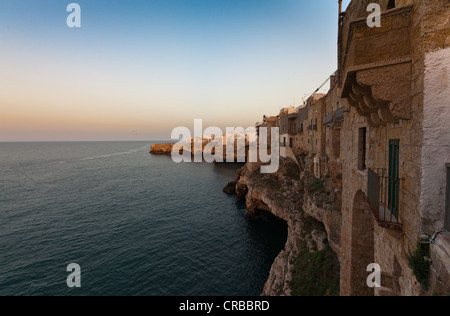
(447, 202)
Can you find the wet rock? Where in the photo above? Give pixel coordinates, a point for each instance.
(161, 149)
(230, 188)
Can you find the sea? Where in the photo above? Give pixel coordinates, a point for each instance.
(135, 224)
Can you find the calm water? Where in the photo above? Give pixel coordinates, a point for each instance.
(136, 224)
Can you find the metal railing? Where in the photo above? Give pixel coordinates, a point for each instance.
(383, 198)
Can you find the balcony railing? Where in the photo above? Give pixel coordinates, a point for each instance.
(383, 198)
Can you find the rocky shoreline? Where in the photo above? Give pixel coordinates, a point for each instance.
(313, 244)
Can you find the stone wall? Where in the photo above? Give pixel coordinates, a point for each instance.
(316, 133)
(377, 57)
(436, 139)
(394, 82)
(403, 68)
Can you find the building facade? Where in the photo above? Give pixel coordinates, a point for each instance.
(394, 82)
(381, 137)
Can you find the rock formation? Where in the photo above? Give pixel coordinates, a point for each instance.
(289, 195)
(161, 149)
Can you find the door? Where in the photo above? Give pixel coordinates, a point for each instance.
(394, 181)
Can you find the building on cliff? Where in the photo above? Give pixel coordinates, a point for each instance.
(394, 82)
(268, 122)
(315, 131)
(286, 122)
(301, 141)
(332, 121)
(381, 139)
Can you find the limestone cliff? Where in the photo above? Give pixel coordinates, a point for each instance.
(311, 246)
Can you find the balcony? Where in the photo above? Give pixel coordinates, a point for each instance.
(339, 114)
(383, 198)
(328, 119)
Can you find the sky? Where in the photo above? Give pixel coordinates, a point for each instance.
(137, 69)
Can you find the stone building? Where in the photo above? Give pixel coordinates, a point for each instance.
(301, 141)
(268, 122)
(315, 132)
(316, 110)
(332, 125)
(284, 128)
(286, 119)
(394, 81)
(381, 137)
(332, 121)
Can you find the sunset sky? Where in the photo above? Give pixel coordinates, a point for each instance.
(136, 69)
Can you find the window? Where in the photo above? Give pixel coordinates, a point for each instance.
(284, 141)
(362, 144)
(394, 147)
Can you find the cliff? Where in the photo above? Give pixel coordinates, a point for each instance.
(313, 243)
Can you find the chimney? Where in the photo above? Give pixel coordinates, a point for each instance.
(340, 7)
